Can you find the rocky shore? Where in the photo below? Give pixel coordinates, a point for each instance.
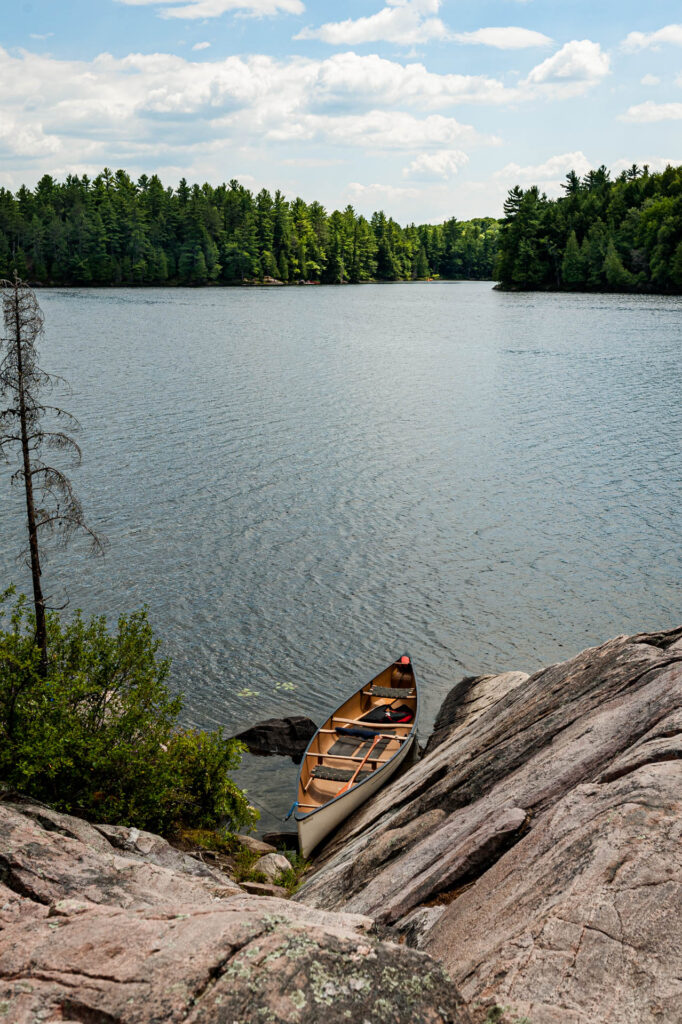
(527, 868)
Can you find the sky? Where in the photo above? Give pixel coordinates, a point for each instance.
(426, 109)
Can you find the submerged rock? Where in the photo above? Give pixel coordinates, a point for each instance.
(286, 736)
(535, 847)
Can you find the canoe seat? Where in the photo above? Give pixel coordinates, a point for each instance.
(321, 771)
(390, 691)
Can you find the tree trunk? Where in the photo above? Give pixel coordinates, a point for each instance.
(38, 600)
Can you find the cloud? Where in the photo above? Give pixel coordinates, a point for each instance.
(41, 36)
(650, 80)
(193, 9)
(636, 41)
(348, 78)
(654, 163)
(547, 174)
(404, 22)
(155, 110)
(652, 113)
(201, 46)
(379, 192)
(436, 166)
(380, 129)
(576, 67)
(510, 38)
(150, 110)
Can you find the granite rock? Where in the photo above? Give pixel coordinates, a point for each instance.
(534, 849)
(89, 935)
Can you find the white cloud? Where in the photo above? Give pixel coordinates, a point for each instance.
(650, 80)
(42, 37)
(378, 192)
(654, 163)
(153, 110)
(380, 129)
(149, 111)
(374, 80)
(201, 46)
(573, 69)
(651, 113)
(644, 40)
(193, 9)
(510, 38)
(547, 175)
(434, 166)
(404, 22)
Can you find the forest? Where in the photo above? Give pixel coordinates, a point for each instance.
(601, 235)
(111, 230)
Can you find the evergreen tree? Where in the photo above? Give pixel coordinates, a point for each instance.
(572, 265)
(615, 273)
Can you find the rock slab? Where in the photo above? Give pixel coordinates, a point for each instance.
(535, 848)
(92, 933)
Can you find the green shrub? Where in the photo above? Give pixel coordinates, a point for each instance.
(98, 735)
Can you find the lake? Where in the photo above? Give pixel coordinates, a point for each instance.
(304, 483)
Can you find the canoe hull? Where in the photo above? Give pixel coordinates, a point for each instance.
(313, 828)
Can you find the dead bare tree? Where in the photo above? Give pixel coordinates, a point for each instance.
(52, 507)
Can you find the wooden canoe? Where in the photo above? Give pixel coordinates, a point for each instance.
(356, 751)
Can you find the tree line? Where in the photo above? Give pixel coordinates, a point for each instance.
(601, 234)
(111, 230)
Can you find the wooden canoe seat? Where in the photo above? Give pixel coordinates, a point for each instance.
(323, 771)
(371, 725)
(390, 691)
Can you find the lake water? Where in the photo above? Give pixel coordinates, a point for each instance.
(303, 483)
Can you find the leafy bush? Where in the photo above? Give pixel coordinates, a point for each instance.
(98, 735)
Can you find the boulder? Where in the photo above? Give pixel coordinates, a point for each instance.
(532, 848)
(272, 865)
(88, 934)
(45, 865)
(286, 736)
(255, 845)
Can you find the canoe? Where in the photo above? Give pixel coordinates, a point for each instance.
(356, 751)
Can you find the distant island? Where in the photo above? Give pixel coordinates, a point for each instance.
(112, 230)
(602, 234)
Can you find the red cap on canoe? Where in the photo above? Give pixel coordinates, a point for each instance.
(404, 660)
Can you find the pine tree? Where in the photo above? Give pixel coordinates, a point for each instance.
(615, 273)
(572, 265)
(51, 504)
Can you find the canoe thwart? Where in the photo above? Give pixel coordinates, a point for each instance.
(391, 691)
(375, 725)
(323, 771)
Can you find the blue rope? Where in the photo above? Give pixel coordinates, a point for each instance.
(291, 810)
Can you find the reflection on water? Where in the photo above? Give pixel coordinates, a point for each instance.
(303, 483)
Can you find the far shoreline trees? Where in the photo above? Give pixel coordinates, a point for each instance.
(622, 235)
(112, 230)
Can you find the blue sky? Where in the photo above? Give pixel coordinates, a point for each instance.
(425, 108)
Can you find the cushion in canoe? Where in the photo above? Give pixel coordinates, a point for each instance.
(385, 713)
(391, 691)
(322, 771)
